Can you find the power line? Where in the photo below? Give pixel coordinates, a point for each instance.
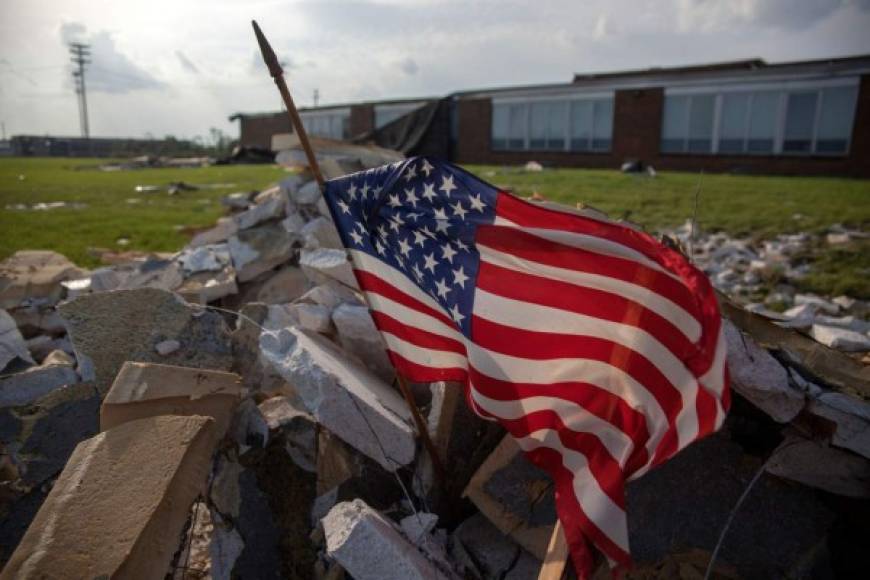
(80, 53)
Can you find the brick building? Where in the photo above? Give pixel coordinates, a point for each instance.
(809, 117)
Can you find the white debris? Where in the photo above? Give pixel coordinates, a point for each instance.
(323, 265)
(167, 347)
(370, 548)
(12, 344)
(344, 397)
(840, 338)
(209, 258)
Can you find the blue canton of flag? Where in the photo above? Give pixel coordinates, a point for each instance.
(420, 218)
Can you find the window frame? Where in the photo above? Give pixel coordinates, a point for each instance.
(568, 102)
(783, 90)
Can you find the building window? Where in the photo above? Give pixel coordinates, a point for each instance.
(386, 114)
(795, 121)
(326, 124)
(553, 125)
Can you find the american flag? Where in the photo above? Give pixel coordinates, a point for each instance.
(598, 348)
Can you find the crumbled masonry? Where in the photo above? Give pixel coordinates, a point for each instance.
(229, 411)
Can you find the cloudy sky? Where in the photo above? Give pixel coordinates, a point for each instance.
(182, 66)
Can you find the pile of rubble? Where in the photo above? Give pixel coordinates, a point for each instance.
(229, 412)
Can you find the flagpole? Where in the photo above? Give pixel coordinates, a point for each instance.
(277, 74)
(556, 559)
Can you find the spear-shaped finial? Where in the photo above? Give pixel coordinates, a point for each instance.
(277, 73)
(269, 56)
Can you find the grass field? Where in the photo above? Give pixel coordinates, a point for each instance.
(740, 205)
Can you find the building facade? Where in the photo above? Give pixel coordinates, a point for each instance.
(809, 117)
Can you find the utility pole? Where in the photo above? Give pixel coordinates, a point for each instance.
(79, 53)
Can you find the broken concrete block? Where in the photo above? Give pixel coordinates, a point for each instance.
(210, 258)
(269, 208)
(221, 232)
(851, 417)
(206, 287)
(321, 233)
(111, 328)
(259, 250)
(416, 526)
(344, 397)
(148, 390)
(306, 194)
(225, 548)
(818, 302)
(330, 295)
(237, 200)
(840, 338)
(313, 317)
(359, 336)
(293, 223)
(817, 465)
(224, 492)
(326, 265)
(516, 496)
(370, 548)
(12, 344)
(35, 275)
(27, 386)
(155, 273)
(296, 426)
(286, 285)
(111, 513)
(759, 377)
(249, 427)
(59, 357)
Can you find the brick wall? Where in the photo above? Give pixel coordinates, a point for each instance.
(362, 119)
(637, 120)
(258, 131)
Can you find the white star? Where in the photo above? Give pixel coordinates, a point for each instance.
(448, 252)
(411, 196)
(426, 168)
(365, 190)
(351, 191)
(396, 222)
(417, 273)
(344, 207)
(447, 185)
(461, 245)
(429, 191)
(382, 230)
(404, 247)
(357, 238)
(459, 277)
(441, 226)
(459, 210)
(440, 214)
(419, 238)
(411, 173)
(443, 288)
(427, 231)
(457, 317)
(414, 215)
(476, 202)
(431, 262)
(394, 201)
(381, 248)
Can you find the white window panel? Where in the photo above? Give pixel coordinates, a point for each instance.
(763, 121)
(581, 125)
(799, 122)
(548, 124)
(733, 123)
(836, 115)
(700, 136)
(517, 125)
(500, 126)
(602, 130)
(675, 126)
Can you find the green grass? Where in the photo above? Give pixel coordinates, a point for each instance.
(155, 223)
(755, 206)
(746, 206)
(741, 205)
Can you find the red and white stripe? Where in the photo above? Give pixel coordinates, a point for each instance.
(599, 350)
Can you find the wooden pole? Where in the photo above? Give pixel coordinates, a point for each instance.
(422, 428)
(277, 74)
(556, 559)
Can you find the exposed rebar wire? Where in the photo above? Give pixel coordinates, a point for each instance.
(238, 314)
